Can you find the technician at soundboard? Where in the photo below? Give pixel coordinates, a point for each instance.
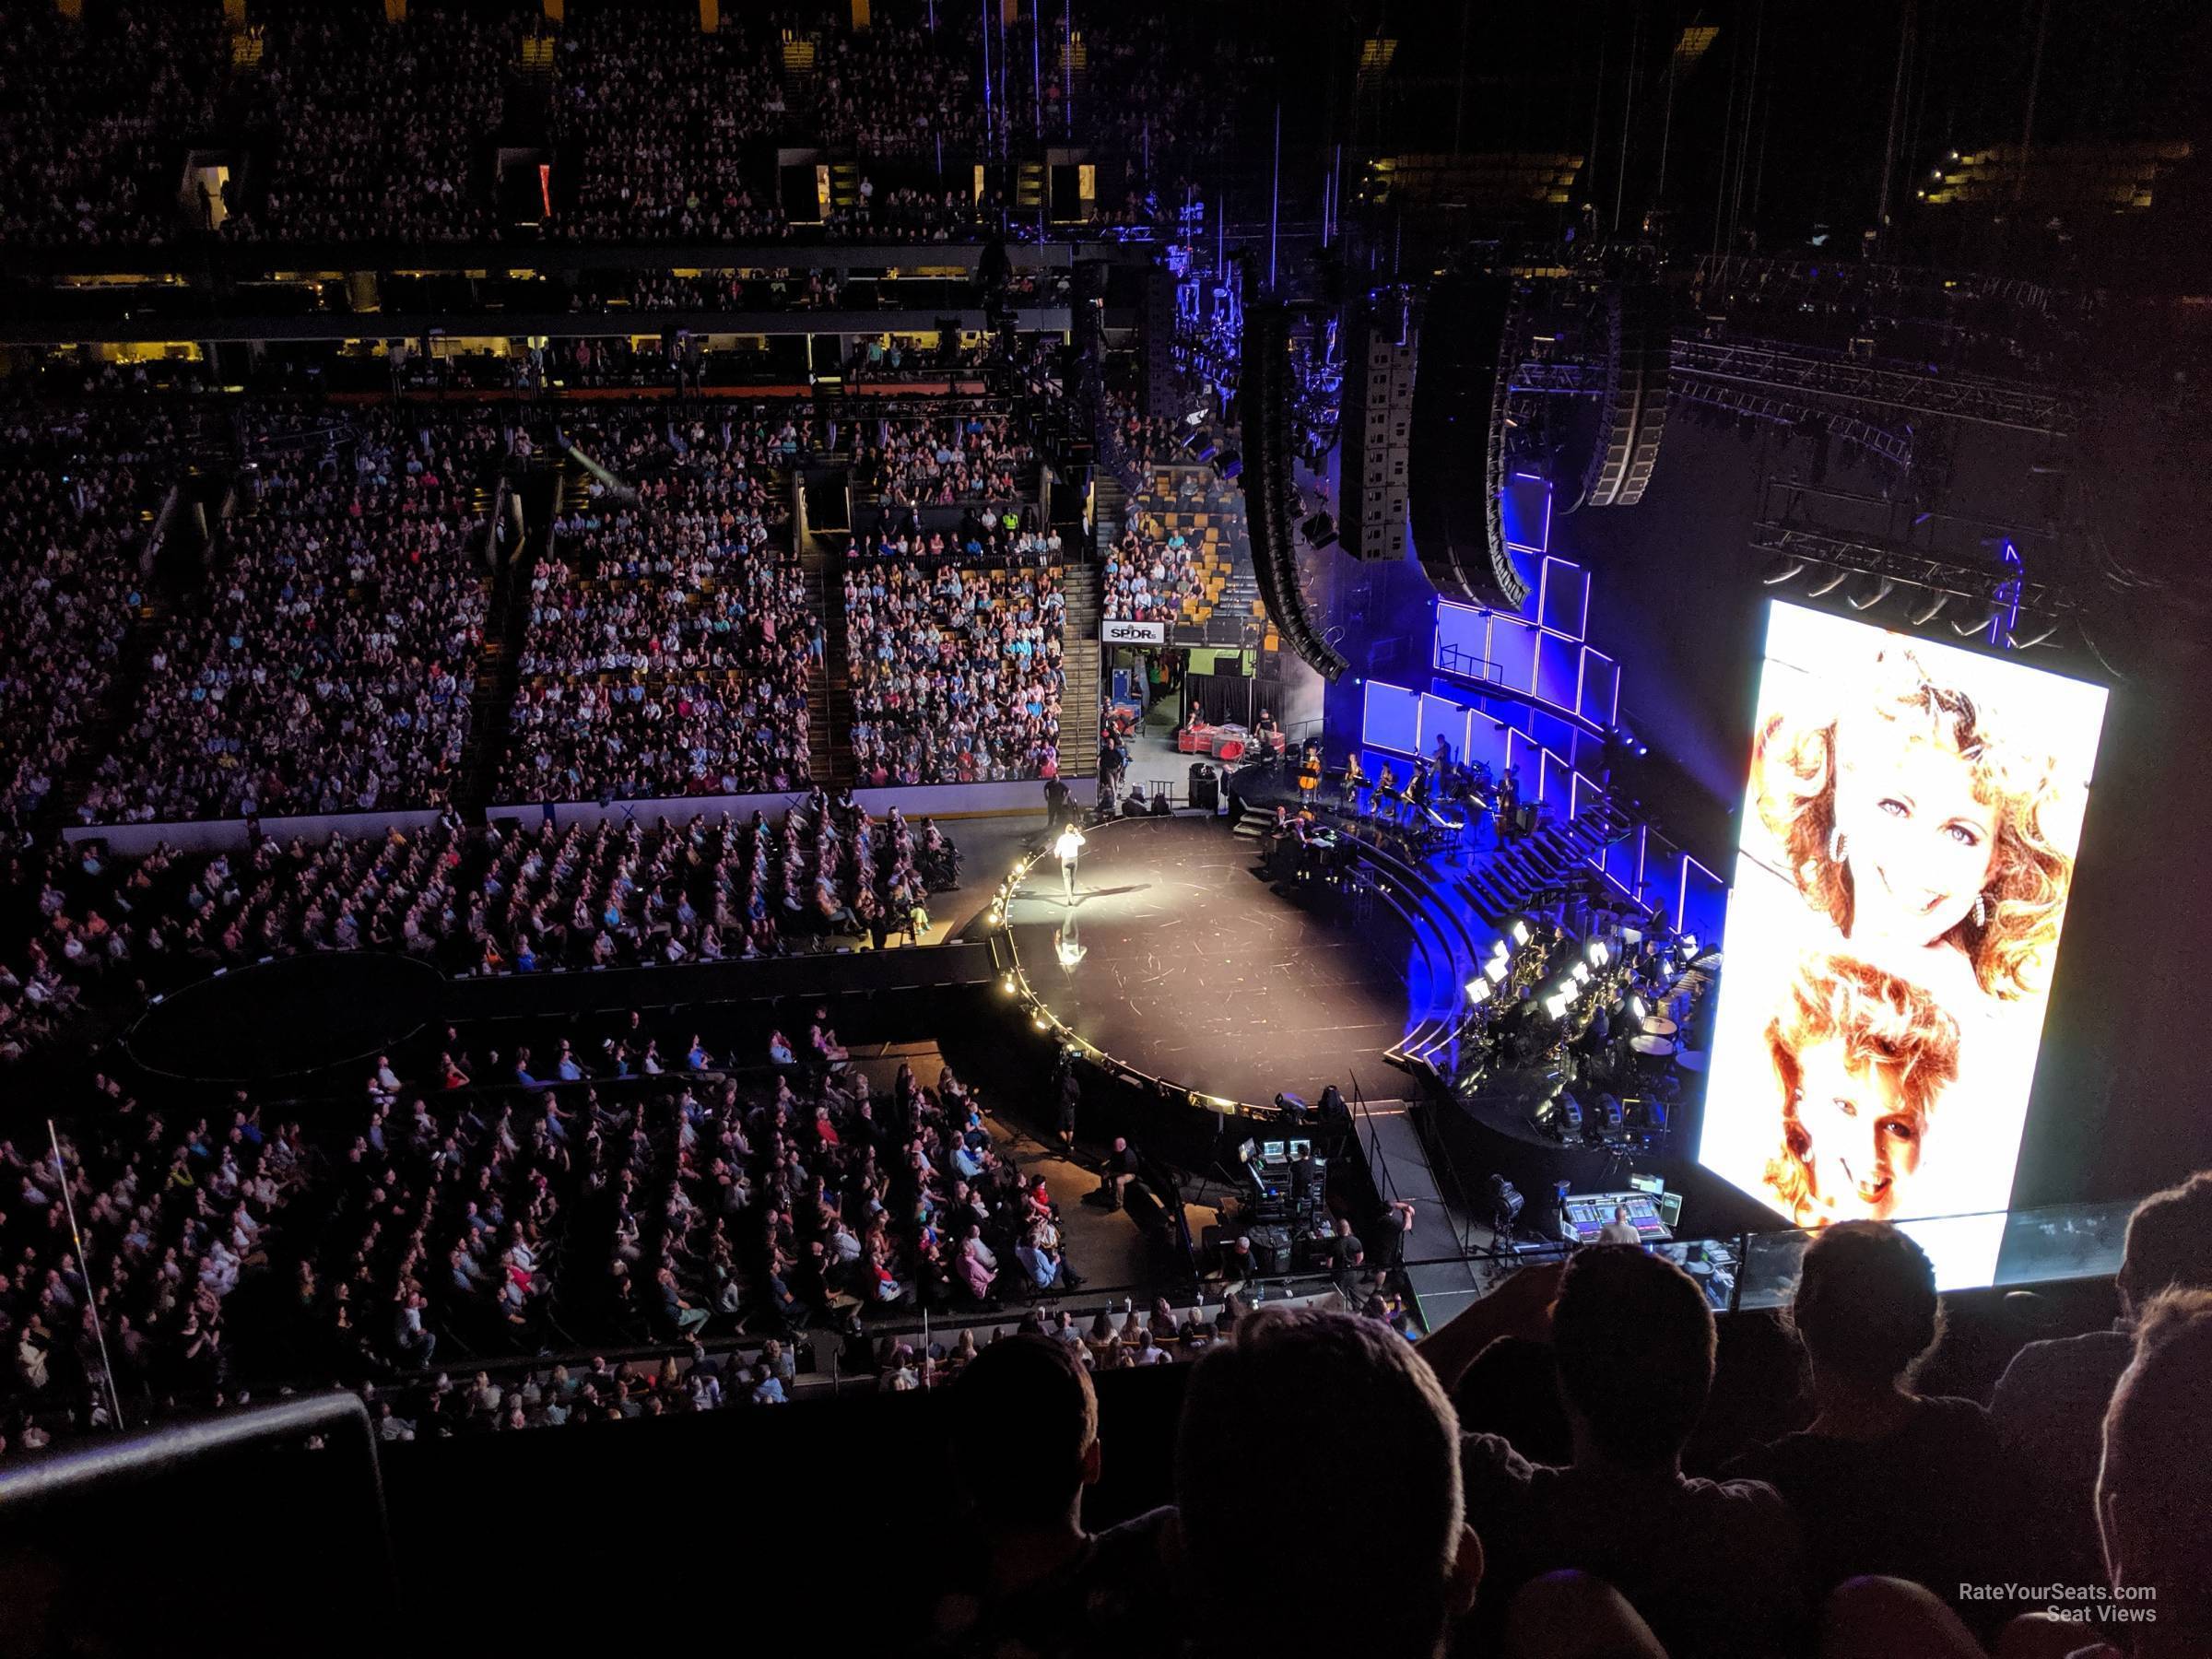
(1620, 1230)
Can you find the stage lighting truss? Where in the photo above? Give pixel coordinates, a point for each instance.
(1974, 594)
(1805, 372)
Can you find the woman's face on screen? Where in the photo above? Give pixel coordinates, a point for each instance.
(1918, 842)
(1865, 1142)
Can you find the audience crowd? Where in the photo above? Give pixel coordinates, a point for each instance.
(93, 123)
(671, 641)
(941, 459)
(523, 899)
(351, 127)
(76, 489)
(329, 667)
(494, 1203)
(956, 668)
(1148, 580)
(369, 132)
(1158, 567)
(655, 118)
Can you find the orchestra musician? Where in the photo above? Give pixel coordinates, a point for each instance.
(1355, 780)
(1309, 771)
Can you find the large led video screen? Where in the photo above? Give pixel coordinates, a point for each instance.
(1906, 847)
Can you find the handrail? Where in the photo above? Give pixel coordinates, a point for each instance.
(97, 1466)
(1375, 1161)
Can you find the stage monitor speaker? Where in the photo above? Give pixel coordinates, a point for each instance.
(1456, 450)
(1632, 419)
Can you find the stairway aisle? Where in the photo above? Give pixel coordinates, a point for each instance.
(102, 735)
(545, 492)
(181, 568)
(829, 703)
(1109, 508)
(1079, 662)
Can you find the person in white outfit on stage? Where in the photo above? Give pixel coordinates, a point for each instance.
(1069, 844)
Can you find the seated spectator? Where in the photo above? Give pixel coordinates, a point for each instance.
(1633, 1338)
(2050, 1404)
(2153, 1510)
(1364, 1406)
(89, 107)
(1023, 1431)
(1887, 1482)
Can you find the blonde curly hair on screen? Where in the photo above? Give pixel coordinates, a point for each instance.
(2024, 899)
(1887, 1026)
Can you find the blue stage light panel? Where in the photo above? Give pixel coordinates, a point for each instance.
(1558, 671)
(1462, 643)
(1563, 598)
(1598, 698)
(1391, 718)
(1525, 505)
(1444, 714)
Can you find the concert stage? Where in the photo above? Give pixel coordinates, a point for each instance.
(1177, 961)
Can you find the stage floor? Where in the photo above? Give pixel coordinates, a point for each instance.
(1176, 958)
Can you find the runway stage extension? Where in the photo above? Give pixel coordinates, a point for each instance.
(1177, 959)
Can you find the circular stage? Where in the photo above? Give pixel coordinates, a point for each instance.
(1178, 960)
(281, 1018)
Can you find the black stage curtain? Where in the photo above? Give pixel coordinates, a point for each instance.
(1221, 698)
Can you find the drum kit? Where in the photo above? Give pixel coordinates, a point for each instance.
(1657, 1038)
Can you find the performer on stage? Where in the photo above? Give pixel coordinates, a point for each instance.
(1069, 844)
(1355, 780)
(1309, 771)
